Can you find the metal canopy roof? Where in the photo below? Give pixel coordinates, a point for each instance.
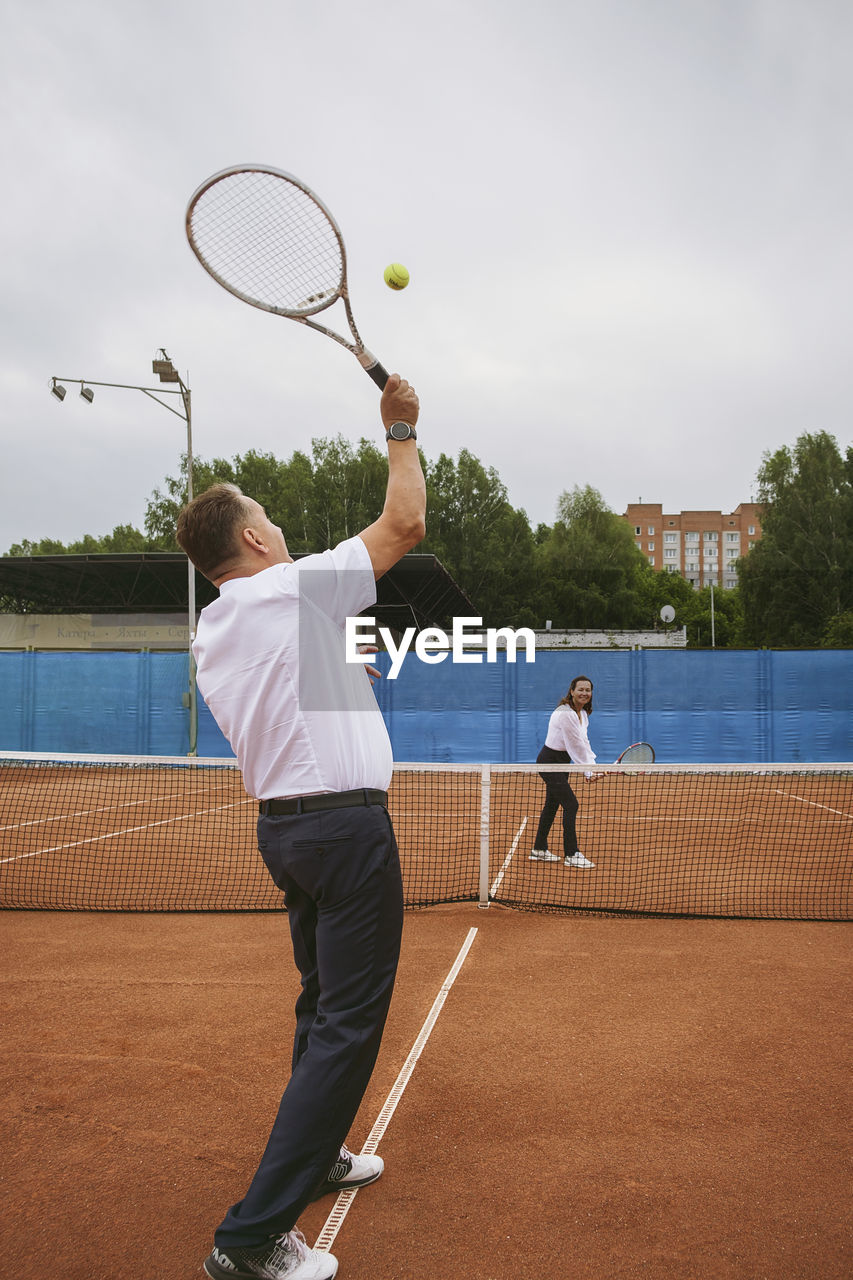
(417, 591)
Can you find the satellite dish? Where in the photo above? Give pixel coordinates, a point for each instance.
(667, 613)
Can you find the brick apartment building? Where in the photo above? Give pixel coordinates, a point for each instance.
(701, 546)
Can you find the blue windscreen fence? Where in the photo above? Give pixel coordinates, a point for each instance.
(694, 706)
(104, 703)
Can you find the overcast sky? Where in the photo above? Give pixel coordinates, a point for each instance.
(627, 222)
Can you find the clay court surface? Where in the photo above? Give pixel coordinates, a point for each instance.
(599, 1097)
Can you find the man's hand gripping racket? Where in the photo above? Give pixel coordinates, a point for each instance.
(268, 239)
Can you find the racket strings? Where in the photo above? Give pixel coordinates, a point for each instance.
(268, 241)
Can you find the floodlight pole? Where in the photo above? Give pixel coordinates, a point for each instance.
(167, 372)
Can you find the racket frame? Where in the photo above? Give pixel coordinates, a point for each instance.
(644, 759)
(312, 305)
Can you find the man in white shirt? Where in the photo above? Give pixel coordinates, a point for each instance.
(313, 749)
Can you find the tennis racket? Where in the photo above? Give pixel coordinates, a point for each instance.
(637, 753)
(268, 239)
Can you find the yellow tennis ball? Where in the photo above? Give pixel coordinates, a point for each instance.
(396, 276)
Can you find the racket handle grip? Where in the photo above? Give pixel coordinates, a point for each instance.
(376, 372)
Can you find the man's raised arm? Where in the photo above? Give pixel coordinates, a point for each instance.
(401, 525)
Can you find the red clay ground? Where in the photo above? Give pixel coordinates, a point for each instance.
(600, 1098)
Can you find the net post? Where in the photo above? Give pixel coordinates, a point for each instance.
(485, 810)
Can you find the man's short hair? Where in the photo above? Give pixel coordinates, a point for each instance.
(209, 528)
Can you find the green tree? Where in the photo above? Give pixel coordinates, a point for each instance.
(293, 505)
(799, 577)
(589, 571)
(45, 547)
(317, 501)
(727, 630)
(348, 490)
(480, 538)
(654, 590)
(164, 505)
(839, 631)
(123, 539)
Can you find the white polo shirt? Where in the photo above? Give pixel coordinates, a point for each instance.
(272, 669)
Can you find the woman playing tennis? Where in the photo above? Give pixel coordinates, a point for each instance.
(566, 742)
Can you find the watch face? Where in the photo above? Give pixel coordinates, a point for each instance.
(400, 431)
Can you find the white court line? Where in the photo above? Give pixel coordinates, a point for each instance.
(789, 795)
(507, 860)
(111, 835)
(82, 813)
(333, 1224)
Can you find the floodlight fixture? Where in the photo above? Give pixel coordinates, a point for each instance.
(87, 394)
(57, 390)
(164, 368)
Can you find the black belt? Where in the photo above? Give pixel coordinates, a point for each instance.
(333, 800)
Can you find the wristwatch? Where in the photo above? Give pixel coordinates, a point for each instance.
(401, 431)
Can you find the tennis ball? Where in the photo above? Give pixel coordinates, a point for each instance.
(396, 276)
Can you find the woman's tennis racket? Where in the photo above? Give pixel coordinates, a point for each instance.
(637, 753)
(265, 237)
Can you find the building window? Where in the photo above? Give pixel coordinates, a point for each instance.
(711, 537)
(651, 528)
(650, 546)
(671, 553)
(670, 537)
(637, 530)
(651, 559)
(731, 582)
(752, 528)
(732, 537)
(691, 537)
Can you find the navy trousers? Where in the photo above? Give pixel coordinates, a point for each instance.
(340, 873)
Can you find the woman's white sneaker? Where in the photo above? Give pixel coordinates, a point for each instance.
(579, 861)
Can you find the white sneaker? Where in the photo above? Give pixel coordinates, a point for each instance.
(285, 1258)
(579, 861)
(351, 1171)
(542, 855)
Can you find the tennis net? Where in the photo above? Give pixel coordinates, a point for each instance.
(176, 834)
